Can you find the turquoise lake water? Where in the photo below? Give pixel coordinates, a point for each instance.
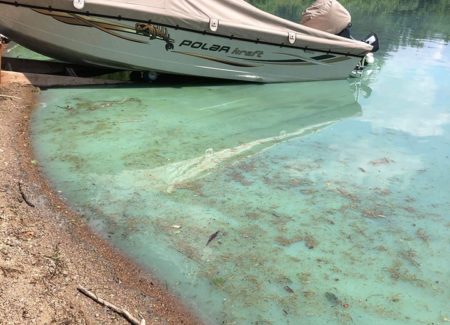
(331, 199)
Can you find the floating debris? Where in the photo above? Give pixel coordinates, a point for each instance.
(395, 298)
(283, 241)
(310, 241)
(304, 277)
(399, 273)
(373, 214)
(382, 161)
(67, 107)
(422, 235)
(347, 195)
(410, 255)
(239, 178)
(276, 214)
(409, 209)
(212, 237)
(218, 282)
(308, 294)
(288, 289)
(332, 298)
(382, 191)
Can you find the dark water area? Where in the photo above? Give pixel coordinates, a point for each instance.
(300, 203)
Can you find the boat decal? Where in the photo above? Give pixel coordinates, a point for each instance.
(279, 62)
(205, 46)
(155, 32)
(70, 20)
(149, 30)
(323, 57)
(216, 59)
(328, 58)
(106, 30)
(248, 53)
(338, 59)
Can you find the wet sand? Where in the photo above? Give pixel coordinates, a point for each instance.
(46, 251)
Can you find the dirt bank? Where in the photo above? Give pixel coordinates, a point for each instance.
(46, 251)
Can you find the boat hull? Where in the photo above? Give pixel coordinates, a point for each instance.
(134, 45)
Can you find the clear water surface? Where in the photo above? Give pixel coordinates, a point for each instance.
(331, 199)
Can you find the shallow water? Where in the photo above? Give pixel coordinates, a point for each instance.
(330, 199)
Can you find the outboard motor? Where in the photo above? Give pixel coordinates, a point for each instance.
(372, 39)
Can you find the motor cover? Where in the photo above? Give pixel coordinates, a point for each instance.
(326, 15)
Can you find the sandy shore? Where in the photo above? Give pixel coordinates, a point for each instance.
(46, 251)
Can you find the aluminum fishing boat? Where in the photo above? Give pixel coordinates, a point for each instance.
(228, 39)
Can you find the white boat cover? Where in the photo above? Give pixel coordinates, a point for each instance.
(235, 18)
(327, 15)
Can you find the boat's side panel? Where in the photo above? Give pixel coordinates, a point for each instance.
(141, 46)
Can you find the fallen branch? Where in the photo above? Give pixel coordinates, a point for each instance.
(12, 97)
(118, 310)
(24, 197)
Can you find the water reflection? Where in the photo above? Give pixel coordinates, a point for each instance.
(137, 165)
(232, 120)
(423, 87)
(236, 121)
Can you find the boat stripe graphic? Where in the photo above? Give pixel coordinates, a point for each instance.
(78, 20)
(215, 59)
(280, 62)
(68, 18)
(153, 32)
(323, 57)
(92, 24)
(337, 59)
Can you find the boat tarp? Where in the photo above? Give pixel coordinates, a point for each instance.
(235, 18)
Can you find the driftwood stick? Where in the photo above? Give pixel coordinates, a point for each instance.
(12, 97)
(118, 310)
(24, 197)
